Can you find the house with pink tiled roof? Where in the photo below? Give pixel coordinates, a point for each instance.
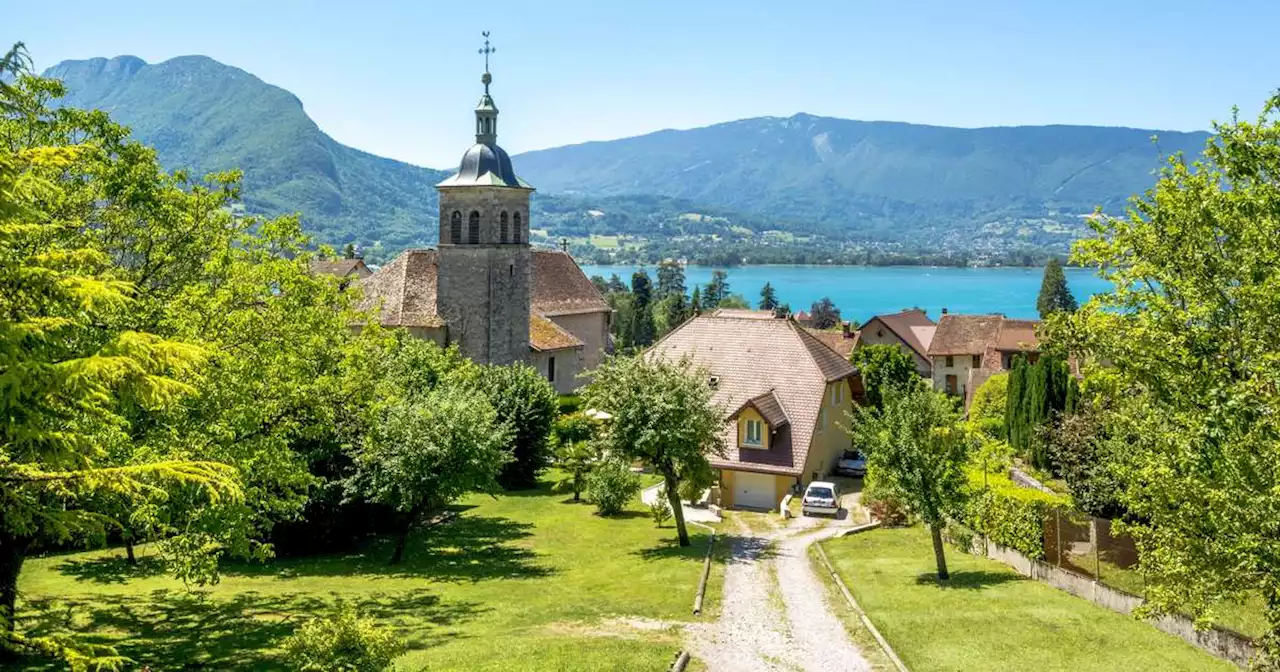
(784, 394)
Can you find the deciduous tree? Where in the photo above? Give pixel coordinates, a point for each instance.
(883, 368)
(824, 314)
(527, 404)
(1189, 329)
(916, 452)
(662, 415)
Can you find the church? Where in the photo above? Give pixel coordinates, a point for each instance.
(483, 287)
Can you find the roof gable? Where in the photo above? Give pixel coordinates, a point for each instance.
(753, 358)
(913, 327)
(769, 406)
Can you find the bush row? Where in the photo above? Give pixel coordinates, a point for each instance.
(1009, 515)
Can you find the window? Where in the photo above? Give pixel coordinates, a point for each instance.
(880, 333)
(950, 361)
(515, 232)
(455, 228)
(473, 228)
(822, 419)
(551, 369)
(977, 361)
(837, 394)
(755, 433)
(502, 227)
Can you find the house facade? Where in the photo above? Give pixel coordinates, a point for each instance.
(910, 330)
(784, 395)
(968, 349)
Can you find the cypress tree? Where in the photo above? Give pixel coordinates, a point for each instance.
(642, 327)
(1013, 402)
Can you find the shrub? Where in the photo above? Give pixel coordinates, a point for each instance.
(1009, 515)
(342, 643)
(884, 506)
(527, 403)
(660, 509)
(611, 485)
(695, 481)
(989, 405)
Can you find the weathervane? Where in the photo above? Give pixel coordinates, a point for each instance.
(487, 50)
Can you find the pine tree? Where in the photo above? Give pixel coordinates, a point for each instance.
(670, 279)
(642, 327)
(677, 310)
(695, 301)
(717, 289)
(768, 297)
(1054, 294)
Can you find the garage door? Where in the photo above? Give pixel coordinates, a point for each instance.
(754, 490)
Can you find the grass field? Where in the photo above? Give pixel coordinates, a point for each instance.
(987, 617)
(527, 581)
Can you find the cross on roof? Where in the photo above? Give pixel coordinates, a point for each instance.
(487, 50)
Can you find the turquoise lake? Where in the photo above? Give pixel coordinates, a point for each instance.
(862, 291)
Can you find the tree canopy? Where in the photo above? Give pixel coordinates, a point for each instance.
(1054, 295)
(663, 416)
(1189, 331)
(916, 451)
(883, 368)
(823, 313)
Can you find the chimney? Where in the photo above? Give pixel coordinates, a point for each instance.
(944, 311)
(846, 329)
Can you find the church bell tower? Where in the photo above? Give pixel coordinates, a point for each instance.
(482, 283)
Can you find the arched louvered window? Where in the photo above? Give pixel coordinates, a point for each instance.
(473, 228)
(455, 228)
(502, 227)
(515, 235)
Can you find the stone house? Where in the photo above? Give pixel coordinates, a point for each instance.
(968, 349)
(911, 330)
(784, 395)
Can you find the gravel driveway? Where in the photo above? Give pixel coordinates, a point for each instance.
(774, 613)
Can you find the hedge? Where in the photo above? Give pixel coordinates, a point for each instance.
(1009, 515)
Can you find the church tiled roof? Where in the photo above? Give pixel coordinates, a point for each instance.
(559, 287)
(406, 289)
(340, 267)
(545, 335)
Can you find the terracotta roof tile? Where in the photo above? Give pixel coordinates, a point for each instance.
(405, 289)
(836, 340)
(964, 334)
(559, 287)
(744, 313)
(751, 358)
(1018, 335)
(340, 267)
(769, 406)
(912, 327)
(545, 335)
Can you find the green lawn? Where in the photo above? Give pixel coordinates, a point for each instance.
(988, 617)
(526, 581)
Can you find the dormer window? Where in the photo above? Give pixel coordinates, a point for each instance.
(754, 435)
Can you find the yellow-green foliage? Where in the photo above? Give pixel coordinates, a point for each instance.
(344, 643)
(1008, 514)
(987, 411)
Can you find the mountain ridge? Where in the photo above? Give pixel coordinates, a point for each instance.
(803, 188)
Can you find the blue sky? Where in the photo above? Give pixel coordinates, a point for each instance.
(400, 78)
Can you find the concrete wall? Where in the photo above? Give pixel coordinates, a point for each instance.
(830, 439)
(875, 333)
(1220, 642)
(568, 365)
(961, 364)
(590, 328)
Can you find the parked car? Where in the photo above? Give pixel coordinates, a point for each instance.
(852, 463)
(820, 497)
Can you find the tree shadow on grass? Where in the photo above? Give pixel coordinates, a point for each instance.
(627, 515)
(968, 580)
(173, 630)
(464, 549)
(727, 549)
(111, 569)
